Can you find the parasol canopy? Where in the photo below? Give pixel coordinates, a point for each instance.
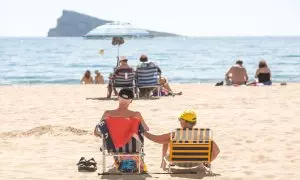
(117, 29)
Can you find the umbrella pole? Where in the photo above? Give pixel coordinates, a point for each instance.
(118, 59)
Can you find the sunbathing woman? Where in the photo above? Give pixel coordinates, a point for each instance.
(98, 78)
(165, 88)
(187, 119)
(87, 78)
(262, 75)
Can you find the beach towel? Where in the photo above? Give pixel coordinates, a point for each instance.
(122, 129)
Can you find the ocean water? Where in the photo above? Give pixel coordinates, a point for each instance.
(182, 60)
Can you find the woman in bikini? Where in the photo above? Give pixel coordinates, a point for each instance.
(87, 78)
(262, 75)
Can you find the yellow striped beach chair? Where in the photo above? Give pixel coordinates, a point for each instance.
(190, 147)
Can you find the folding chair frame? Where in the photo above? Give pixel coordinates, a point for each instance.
(205, 164)
(141, 87)
(133, 86)
(104, 154)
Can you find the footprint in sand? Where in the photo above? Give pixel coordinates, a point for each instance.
(248, 172)
(237, 144)
(154, 110)
(270, 176)
(249, 141)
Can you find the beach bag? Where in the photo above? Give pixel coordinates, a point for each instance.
(130, 164)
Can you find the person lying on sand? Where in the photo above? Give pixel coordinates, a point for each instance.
(165, 88)
(237, 74)
(187, 119)
(125, 99)
(87, 78)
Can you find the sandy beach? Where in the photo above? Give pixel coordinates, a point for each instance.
(45, 129)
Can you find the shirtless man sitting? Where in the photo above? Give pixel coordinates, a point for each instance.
(237, 74)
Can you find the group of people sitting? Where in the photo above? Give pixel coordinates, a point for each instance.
(164, 87)
(237, 75)
(88, 79)
(187, 119)
(162, 82)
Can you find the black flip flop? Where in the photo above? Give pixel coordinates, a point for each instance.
(91, 165)
(81, 164)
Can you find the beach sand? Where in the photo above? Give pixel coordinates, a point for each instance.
(45, 129)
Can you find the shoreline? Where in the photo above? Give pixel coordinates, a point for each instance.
(176, 84)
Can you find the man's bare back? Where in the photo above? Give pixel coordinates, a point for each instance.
(237, 74)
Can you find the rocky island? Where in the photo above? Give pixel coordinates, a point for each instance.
(74, 24)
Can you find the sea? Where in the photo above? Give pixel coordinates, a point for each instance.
(44, 60)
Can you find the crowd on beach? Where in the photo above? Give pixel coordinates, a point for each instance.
(236, 76)
(164, 89)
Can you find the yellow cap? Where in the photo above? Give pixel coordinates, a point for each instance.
(188, 115)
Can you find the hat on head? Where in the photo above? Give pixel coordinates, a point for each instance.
(126, 94)
(123, 58)
(188, 115)
(96, 71)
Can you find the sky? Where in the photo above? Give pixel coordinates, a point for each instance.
(190, 17)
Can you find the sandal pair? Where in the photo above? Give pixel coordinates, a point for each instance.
(87, 165)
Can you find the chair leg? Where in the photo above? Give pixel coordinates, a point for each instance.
(210, 171)
(158, 91)
(138, 93)
(139, 163)
(103, 161)
(207, 166)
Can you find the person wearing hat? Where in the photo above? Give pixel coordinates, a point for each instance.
(98, 78)
(123, 67)
(187, 119)
(123, 63)
(125, 97)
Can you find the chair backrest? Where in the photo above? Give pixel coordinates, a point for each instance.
(132, 146)
(191, 145)
(124, 78)
(147, 75)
